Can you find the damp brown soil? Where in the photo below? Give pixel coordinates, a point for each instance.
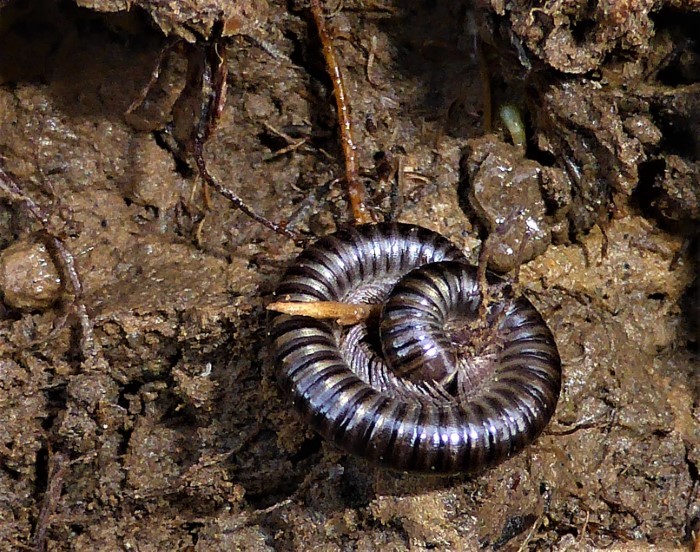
(171, 434)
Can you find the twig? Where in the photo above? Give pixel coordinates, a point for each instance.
(213, 99)
(64, 260)
(357, 194)
(292, 144)
(345, 314)
(54, 487)
(155, 75)
(237, 201)
(370, 60)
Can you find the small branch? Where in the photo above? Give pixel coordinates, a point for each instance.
(54, 487)
(64, 260)
(357, 194)
(345, 314)
(213, 99)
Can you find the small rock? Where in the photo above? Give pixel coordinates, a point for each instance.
(28, 276)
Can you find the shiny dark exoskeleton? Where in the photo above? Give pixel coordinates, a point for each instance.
(420, 405)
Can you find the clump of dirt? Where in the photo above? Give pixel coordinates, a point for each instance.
(142, 411)
(28, 275)
(504, 190)
(577, 37)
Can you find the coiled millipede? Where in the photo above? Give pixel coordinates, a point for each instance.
(456, 385)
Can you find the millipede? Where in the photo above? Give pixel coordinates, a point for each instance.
(450, 378)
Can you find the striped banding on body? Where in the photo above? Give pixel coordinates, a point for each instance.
(450, 386)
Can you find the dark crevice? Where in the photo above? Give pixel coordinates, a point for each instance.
(692, 525)
(41, 467)
(646, 190)
(683, 65)
(182, 167)
(308, 449)
(678, 132)
(514, 526)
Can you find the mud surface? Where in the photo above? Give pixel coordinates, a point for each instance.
(166, 430)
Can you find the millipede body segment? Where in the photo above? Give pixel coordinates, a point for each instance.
(441, 383)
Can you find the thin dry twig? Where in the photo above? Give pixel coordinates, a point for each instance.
(155, 75)
(370, 60)
(57, 471)
(213, 100)
(292, 144)
(65, 262)
(344, 314)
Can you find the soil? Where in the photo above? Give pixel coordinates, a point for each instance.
(163, 427)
